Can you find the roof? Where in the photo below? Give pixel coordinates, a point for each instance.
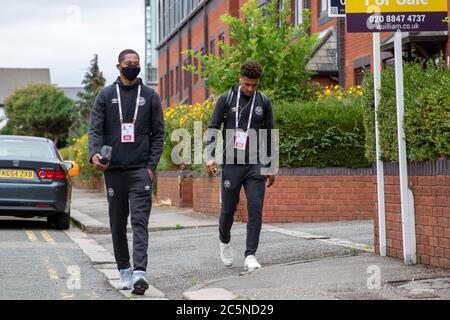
(408, 37)
(71, 92)
(324, 57)
(15, 78)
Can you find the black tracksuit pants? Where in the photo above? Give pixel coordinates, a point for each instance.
(233, 178)
(129, 190)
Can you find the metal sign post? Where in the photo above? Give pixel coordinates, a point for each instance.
(380, 168)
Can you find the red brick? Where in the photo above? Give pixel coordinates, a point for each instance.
(434, 261)
(433, 241)
(438, 231)
(428, 231)
(444, 263)
(439, 252)
(447, 233)
(424, 259)
(444, 243)
(442, 222)
(446, 212)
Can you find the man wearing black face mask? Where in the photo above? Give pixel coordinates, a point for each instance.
(127, 116)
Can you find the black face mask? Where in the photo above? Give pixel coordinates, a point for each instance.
(131, 71)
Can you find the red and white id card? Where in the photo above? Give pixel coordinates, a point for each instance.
(127, 132)
(240, 140)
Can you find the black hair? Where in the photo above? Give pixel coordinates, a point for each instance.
(125, 52)
(251, 70)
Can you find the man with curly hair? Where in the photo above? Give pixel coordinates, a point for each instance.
(245, 113)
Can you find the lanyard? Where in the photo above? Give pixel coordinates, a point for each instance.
(251, 109)
(120, 103)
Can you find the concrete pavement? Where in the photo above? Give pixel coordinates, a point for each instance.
(90, 213)
(332, 260)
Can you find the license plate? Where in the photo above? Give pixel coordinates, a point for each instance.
(16, 174)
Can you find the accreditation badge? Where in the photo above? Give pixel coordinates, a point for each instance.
(240, 140)
(127, 132)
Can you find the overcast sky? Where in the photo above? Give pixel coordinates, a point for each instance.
(63, 35)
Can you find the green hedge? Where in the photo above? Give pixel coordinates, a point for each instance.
(427, 112)
(328, 132)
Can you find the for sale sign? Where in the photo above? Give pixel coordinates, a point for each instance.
(394, 15)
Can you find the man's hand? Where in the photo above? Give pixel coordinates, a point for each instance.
(212, 167)
(96, 161)
(150, 173)
(271, 179)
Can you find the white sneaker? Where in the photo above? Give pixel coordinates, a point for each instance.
(125, 279)
(251, 264)
(226, 254)
(139, 282)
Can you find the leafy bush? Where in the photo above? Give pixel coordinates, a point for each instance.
(427, 112)
(78, 152)
(327, 132)
(184, 116)
(283, 50)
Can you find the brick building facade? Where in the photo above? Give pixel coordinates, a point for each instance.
(196, 25)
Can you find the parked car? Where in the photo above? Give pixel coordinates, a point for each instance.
(34, 180)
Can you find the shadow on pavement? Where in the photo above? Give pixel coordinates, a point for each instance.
(17, 223)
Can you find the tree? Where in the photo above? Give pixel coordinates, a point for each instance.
(40, 110)
(281, 48)
(93, 82)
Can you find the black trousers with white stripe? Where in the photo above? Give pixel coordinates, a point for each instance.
(129, 190)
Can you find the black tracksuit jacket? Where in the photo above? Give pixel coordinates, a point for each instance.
(105, 127)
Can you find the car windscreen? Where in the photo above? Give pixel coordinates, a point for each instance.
(16, 149)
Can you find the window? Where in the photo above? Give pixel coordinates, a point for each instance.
(221, 40)
(359, 75)
(212, 47)
(166, 87)
(323, 12)
(203, 51)
(25, 150)
(171, 83)
(178, 80)
(186, 74)
(323, 8)
(298, 12)
(196, 64)
(161, 19)
(280, 9)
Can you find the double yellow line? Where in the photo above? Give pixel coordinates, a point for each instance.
(47, 237)
(51, 270)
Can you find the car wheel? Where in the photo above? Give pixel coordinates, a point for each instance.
(51, 220)
(62, 220)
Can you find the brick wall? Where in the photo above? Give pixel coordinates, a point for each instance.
(358, 45)
(299, 198)
(432, 216)
(214, 9)
(176, 187)
(206, 197)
